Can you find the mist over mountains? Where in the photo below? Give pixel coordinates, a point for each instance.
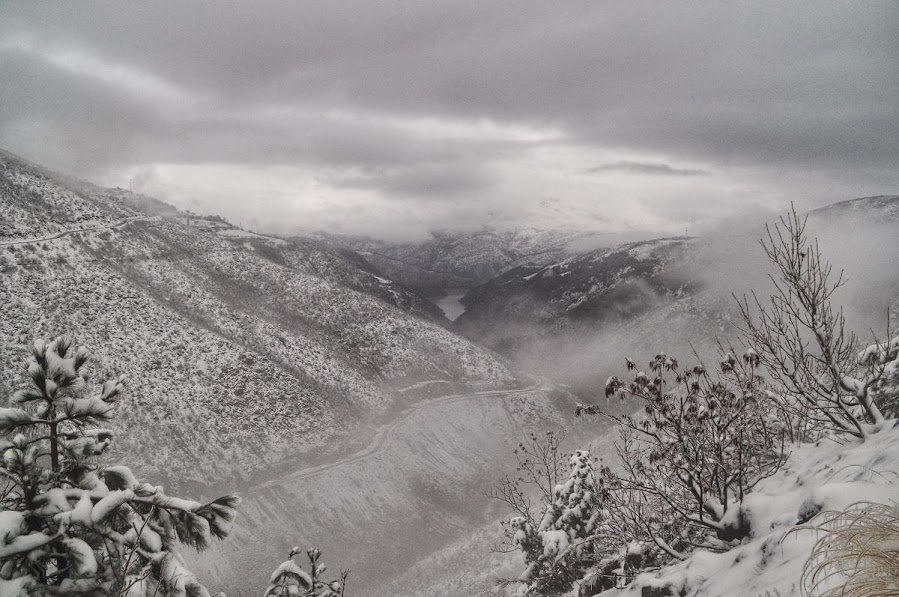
(449, 299)
(556, 306)
(254, 358)
(313, 376)
(464, 260)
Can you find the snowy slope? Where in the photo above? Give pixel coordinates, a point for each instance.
(829, 475)
(250, 350)
(333, 399)
(582, 290)
(879, 209)
(544, 317)
(414, 488)
(33, 205)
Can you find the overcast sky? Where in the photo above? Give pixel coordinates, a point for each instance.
(394, 118)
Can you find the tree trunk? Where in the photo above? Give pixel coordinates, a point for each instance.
(54, 448)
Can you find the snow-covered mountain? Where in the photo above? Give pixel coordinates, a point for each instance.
(879, 209)
(580, 291)
(335, 400)
(538, 314)
(251, 348)
(465, 260)
(574, 319)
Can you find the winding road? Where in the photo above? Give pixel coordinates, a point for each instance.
(383, 435)
(56, 235)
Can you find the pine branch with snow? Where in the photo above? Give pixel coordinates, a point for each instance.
(76, 527)
(559, 548)
(291, 580)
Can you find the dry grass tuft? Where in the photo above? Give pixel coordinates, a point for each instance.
(857, 554)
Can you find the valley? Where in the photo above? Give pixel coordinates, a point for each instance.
(333, 400)
(351, 412)
(449, 299)
(416, 487)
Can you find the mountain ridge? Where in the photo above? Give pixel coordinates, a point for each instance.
(252, 357)
(341, 402)
(449, 260)
(120, 261)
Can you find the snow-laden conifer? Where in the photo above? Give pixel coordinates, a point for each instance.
(290, 580)
(69, 526)
(557, 550)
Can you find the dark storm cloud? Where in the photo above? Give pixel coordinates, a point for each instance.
(355, 88)
(652, 169)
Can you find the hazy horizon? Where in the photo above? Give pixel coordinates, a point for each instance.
(593, 380)
(393, 121)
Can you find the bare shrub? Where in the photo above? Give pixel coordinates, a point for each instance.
(700, 445)
(803, 341)
(528, 490)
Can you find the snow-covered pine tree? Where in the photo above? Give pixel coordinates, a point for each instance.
(558, 550)
(290, 580)
(71, 527)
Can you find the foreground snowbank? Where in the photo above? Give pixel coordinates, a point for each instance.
(827, 475)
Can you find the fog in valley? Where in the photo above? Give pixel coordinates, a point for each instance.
(728, 264)
(357, 299)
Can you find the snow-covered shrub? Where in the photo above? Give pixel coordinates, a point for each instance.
(290, 580)
(560, 547)
(71, 527)
(700, 445)
(528, 490)
(803, 342)
(827, 476)
(886, 389)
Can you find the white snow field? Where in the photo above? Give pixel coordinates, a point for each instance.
(828, 475)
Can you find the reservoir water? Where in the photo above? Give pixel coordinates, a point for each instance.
(450, 304)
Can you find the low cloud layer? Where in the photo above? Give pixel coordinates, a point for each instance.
(459, 114)
(645, 168)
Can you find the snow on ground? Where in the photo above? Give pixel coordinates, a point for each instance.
(646, 250)
(424, 384)
(818, 477)
(236, 233)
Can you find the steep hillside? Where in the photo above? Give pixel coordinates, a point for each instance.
(880, 209)
(578, 294)
(831, 475)
(249, 349)
(573, 320)
(383, 509)
(463, 260)
(334, 400)
(34, 205)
